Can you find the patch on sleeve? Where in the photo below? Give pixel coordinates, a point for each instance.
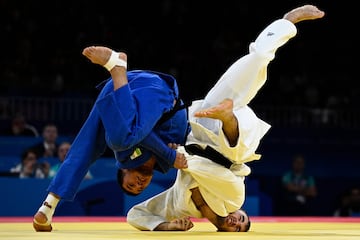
(137, 152)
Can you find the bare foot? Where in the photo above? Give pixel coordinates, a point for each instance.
(40, 223)
(100, 55)
(306, 12)
(222, 111)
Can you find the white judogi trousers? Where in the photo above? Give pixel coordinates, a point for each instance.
(223, 189)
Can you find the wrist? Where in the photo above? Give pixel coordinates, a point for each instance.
(162, 227)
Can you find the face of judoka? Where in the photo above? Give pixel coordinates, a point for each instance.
(136, 180)
(237, 221)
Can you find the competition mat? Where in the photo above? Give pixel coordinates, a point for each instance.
(101, 228)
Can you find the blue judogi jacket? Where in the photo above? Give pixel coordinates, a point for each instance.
(126, 119)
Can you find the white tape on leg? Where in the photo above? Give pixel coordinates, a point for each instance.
(114, 60)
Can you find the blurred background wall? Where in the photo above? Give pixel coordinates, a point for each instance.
(310, 99)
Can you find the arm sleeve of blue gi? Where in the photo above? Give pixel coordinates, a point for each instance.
(156, 145)
(129, 115)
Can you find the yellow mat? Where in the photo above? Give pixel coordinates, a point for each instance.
(202, 231)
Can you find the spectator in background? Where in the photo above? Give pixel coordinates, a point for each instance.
(62, 151)
(19, 127)
(299, 189)
(49, 146)
(349, 204)
(29, 167)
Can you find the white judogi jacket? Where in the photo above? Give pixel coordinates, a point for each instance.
(223, 189)
(217, 184)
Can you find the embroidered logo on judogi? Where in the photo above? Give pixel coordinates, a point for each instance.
(137, 152)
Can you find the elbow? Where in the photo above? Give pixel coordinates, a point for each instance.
(119, 146)
(120, 143)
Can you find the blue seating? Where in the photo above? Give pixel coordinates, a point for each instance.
(11, 149)
(104, 168)
(14, 146)
(7, 162)
(150, 191)
(22, 197)
(96, 197)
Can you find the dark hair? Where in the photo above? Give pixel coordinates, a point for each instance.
(248, 225)
(25, 153)
(120, 181)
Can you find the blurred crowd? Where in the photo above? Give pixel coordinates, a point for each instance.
(195, 41)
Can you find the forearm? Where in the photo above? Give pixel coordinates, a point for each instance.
(197, 199)
(202, 206)
(231, 130)
(162, 227)
(178, 224)
(143, 219)
(156, 145)
(151, 222)
(149, 214)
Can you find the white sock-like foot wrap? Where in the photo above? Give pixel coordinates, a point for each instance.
(48, 208)
(114, 60)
